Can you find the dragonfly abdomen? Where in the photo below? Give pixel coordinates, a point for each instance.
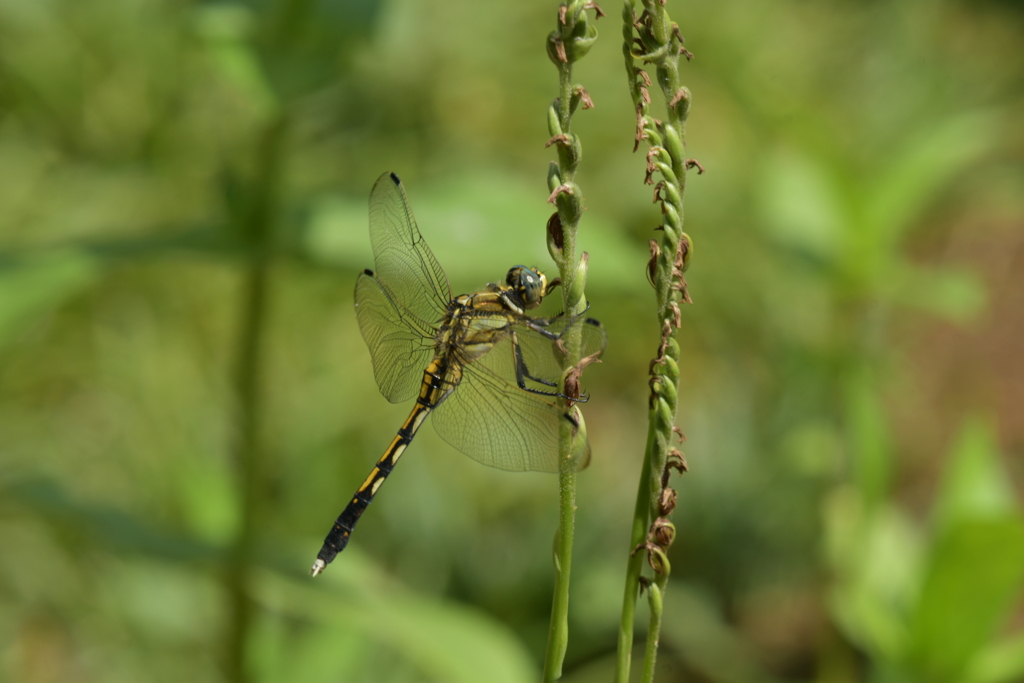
(436, 386)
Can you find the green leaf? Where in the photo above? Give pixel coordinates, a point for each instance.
(977, 564)
(912, 176)
(695, 626)
(284, 654)
(446, 642)
(97, 526)
(801, 204)
(225, 29)
(450, 643)
(1001, 662)
(209, 499)
(955, 295)
(871, 450)
(998, 663)
(975, 485)
(976, 569)
(337, 233)
(876, 558)
(32, 287)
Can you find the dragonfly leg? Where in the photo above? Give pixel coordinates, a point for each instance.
(540, 325)
(523, 374)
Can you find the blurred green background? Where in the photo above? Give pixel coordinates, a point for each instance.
(186, 401)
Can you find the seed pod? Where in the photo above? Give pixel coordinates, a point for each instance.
(579, 281)
(554, 176)
(674, 144)
(554, 125)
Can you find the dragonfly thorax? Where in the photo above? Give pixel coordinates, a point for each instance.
(527, 286)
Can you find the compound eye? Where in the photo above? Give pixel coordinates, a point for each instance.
(512, 279)
(527, 288)
(528, 285)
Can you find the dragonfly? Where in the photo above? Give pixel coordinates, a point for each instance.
(487, 371)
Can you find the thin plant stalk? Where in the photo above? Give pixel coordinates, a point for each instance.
(638, 531)
(654, 592)
(570, 40)
(652, 38)
(255, 223)
(558, 632)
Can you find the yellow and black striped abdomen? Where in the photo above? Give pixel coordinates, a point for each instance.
(438, 381)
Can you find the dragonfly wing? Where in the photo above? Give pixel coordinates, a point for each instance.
(404, 262)
(401, 344)
(490, 419)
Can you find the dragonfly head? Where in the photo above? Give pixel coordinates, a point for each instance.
(528, 285)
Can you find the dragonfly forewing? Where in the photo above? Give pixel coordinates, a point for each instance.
(400, 343)
(404, 262)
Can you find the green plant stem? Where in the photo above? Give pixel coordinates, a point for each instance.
(637, 535)
(641, 516)
(654, 592)
(662, 46)
(573, 277)
(254, 296)
(558, 631)
(255, 227)
(565, 107)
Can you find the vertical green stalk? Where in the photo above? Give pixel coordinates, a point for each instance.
(558, 631)
(256, 229)
(572, 38)
(638, 530)
(654, 592)
(652, 38)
